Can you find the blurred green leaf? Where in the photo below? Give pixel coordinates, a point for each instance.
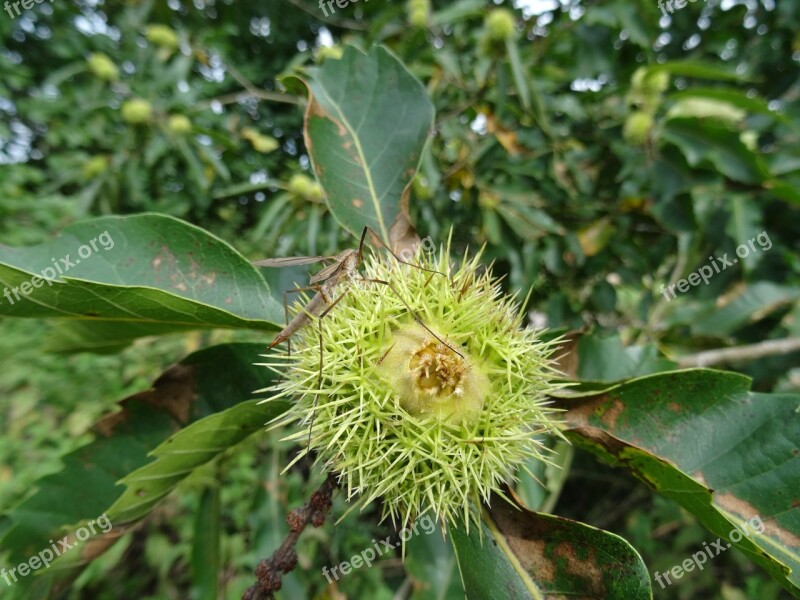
(748, 305)
(701, 140)
(206, 560)
(608, 359)
(206, 383)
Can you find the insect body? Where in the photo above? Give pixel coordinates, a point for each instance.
(343, 268)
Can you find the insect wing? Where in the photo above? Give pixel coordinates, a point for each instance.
(291, 261)
(326, 273)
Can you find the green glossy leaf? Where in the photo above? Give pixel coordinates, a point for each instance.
(704, 440)
(522, 554)
(187, 450)
(366, 124)
(128, 277)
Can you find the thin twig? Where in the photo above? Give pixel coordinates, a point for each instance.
(245, 95)
(740, 353)
(243, 81)
(251, 91)
(270, 570)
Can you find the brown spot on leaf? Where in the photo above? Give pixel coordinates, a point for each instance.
(551, 549)
(358, 203)
(173, 392)
(674, 407)
(611, 414)
(96, 546)
(581, 568)
(746, 511)
(580, 412)
(701, 479)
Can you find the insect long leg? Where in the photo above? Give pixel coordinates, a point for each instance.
(361, 242)
(413, 314)
(397, 258)
(302, 317)
(319, 376)
(288, 340)
(286, 316)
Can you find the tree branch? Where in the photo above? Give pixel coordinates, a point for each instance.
(270, 570)
(740, 353)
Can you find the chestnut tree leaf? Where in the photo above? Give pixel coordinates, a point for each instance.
(701, 438)
(523, 554)
(120, 278)
(366, 124)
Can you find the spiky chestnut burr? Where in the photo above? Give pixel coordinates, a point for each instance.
(430, 418)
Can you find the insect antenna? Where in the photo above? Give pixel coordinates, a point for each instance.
(413, 313)
(377, 238)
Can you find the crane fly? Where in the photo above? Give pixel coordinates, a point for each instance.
(343, 269)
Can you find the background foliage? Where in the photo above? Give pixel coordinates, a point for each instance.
(605, 151)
